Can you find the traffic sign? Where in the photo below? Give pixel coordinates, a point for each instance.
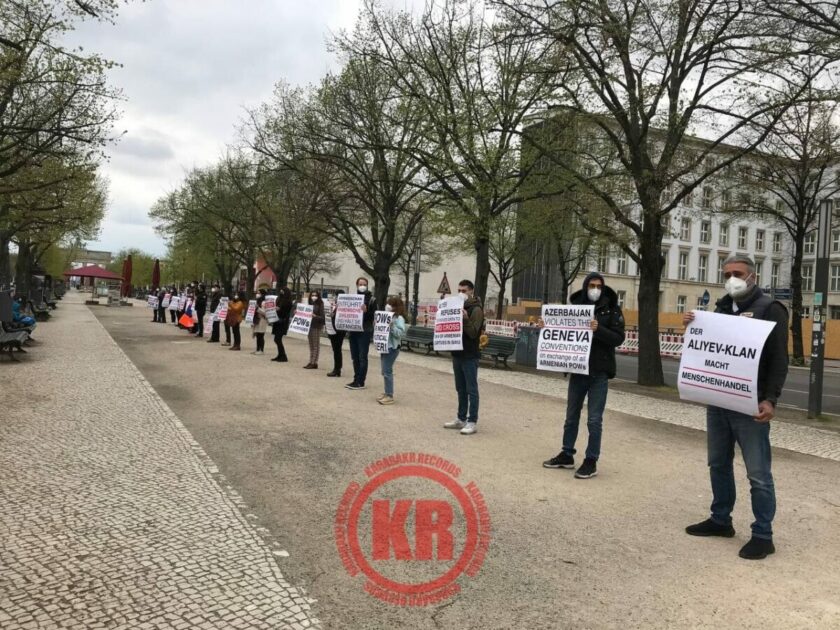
(443, 287)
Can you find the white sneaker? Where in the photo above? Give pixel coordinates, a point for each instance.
(455, 424)
(469, 428)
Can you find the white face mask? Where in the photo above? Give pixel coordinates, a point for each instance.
(389, 308)
(736, 287)
(361, 288)
(593, 294)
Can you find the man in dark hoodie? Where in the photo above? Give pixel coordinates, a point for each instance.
(465, 362)
(725, 427)
(608, 334)
(360, 340)
(215, 299)
(200, 310)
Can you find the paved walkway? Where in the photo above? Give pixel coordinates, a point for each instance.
(111, 517)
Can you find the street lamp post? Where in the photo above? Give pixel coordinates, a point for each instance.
(815, 389)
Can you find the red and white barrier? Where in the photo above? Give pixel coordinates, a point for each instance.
(670, 344)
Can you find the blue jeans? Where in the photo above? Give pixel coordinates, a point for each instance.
(581, 386)
(359, 347)
(466, 384)
(387, 361)
(724, 429)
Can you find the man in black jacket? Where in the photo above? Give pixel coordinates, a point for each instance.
(360, 340)
(608, 334)
(200, 309)
(752, 433)
(215, 299)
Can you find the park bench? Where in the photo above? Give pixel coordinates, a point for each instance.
(40, 312)
(499, 349)
(11, 337)
(419, 336)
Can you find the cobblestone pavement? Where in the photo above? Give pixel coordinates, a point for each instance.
(112, 515)
(802, 439)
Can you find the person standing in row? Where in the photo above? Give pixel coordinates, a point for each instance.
(161, 310)
(360, 340)
(336, 339)
(396, 306)
(281, 326)
(235, 315)
(465, 362)
(173, 315)
(215, 299)
(725, 428)
(607, 334)
(200, 309)
(260, 326)
(315, 328)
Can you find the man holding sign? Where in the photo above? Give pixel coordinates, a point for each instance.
(738, 370)
(587, 350)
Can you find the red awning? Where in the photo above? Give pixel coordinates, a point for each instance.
(92, 271)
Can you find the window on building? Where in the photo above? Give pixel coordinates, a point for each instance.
(807, 277)
(759, 240)
(721, 260)
(727, 200)
(809, 245)
(759, 269)
(806, 312)
(688, 200)
(621, 267)
(742, 238)
(685, 230)
(682, 267)
(774, 274)
(622, 297)
(680, 304)
(603, 258)
(835, 241)
(663, 273)
(834, 312)
(835, 278)
(777, 242)
(705, 231)
(666, 225)
(723, 237)
(707, 198)
(702, 268)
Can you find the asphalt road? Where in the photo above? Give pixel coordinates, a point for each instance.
(795, 393)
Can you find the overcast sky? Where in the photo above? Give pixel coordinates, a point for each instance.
(189, 69)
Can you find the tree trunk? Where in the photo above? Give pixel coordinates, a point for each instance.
(796, 300)
(5, 263)
(23, 269)
(501, 298)
(382, 280)
(650, 361)
(482, 267)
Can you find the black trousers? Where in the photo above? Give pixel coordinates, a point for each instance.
(337, 340)
(281, 351)
(199, 326)
(214, 334)
(227, 332)
(173, 316)
(161, 315)
(260, 337)
(237, 338)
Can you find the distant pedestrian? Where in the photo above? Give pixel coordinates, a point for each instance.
(315, 328)
(465, 362)
(281, 327)
(360, 340)
(336, 339)
(173, 306)
(235, 315)
(259, 325)
(387, 359)
(161, 309)
(200, 308)
(607, 335)
(725, 428)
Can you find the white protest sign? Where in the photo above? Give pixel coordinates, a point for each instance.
(153, 301)
(449, 325)
(302, 319)
(270, 308)
(223, 308)
(349, 314)
(382, 330)
(328, 318)
(174, 303)
(719, 364)
(501, 327)
(566, 338)
(252, 308)
(167, 298)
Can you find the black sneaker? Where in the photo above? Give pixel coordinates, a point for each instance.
(354, 385)
(561, 460)
(587, 469)
(710, 528)
(757, 549)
